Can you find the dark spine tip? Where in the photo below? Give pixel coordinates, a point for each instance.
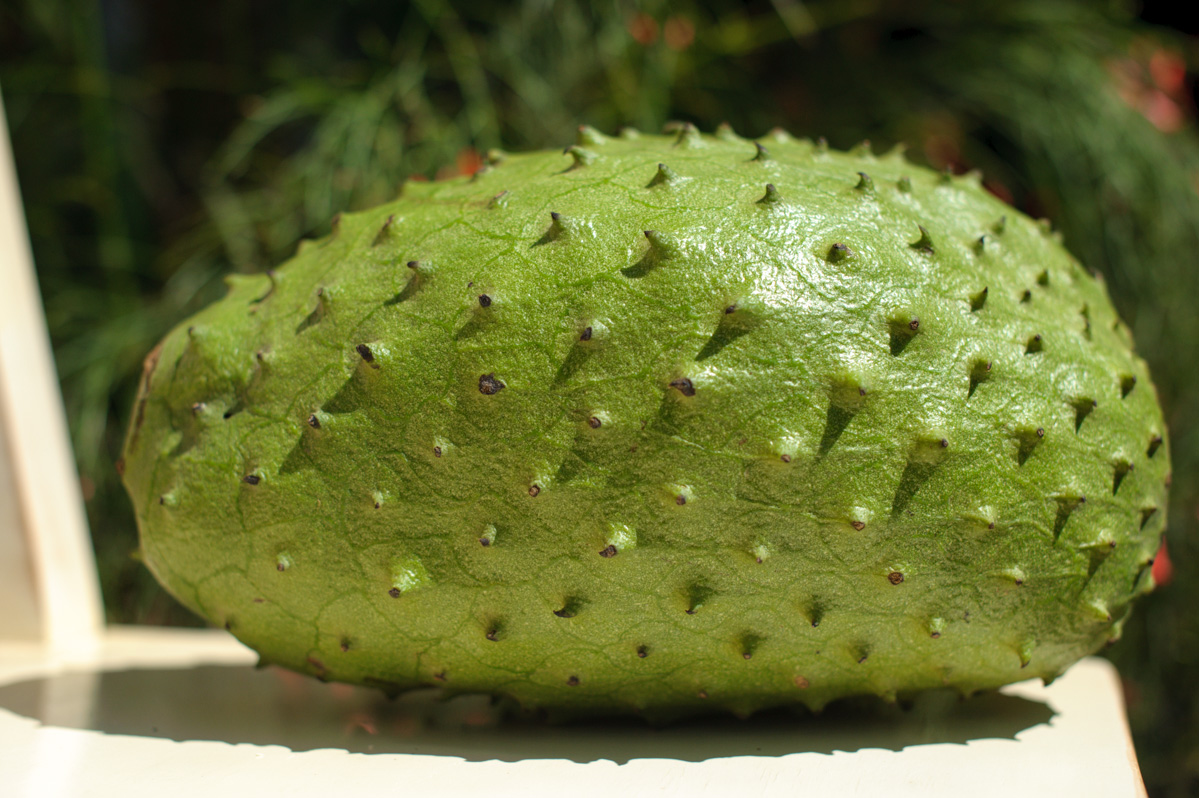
(1120, 470)
(786, 458)
(924, 243)
(1082, 409)
(680, 500)
(1154, 444)
(608, 551)
(582, 157)
(484, 301)
(594, 422)
(1127, 383)
(905, 184)
(771, 196)
(688, 136)
(198, 408)
(384, 231)
(489, 385)
(1034, 345)
(559, 226)
(588, 135)
(761, 153)
(977, 301)
(904, 330)
(437, 451)
(314, 422)
(365, 353)
(413, 264)
(895, 577)
(534, 490)
(838, 252)
(585, 335)
(683, 385)
(661, 247)
(394, 592)
(251, 479)
(865, 183)
(664, 176)
(484, 542)
(573, 681)
(642, 652)
(1028, 440)
(858, 525)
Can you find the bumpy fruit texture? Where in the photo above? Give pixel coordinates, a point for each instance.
(656, 425)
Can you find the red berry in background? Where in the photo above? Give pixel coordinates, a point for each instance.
(1163, 569)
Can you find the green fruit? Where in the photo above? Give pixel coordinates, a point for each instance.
(656, 425)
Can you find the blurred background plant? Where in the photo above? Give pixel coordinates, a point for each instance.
(161, 145)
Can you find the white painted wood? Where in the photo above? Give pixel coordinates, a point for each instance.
(17, 590)
(42, 488)
(185, 711)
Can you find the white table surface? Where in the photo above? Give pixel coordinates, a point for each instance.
(182, 713)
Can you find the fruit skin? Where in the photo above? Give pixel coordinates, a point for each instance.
(660, 425)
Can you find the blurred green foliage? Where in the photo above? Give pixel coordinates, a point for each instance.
(162, 145)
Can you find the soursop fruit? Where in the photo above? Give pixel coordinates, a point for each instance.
(660, 424)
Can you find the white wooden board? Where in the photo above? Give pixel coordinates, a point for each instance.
(184, 714)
